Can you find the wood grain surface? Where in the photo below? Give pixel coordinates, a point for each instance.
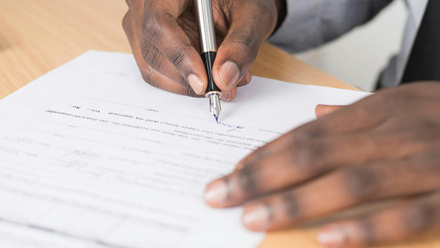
(36, 36)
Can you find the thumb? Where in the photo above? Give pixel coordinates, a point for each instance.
(250, 23)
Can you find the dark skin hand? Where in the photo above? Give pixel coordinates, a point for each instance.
(384, 146)
(163, 35)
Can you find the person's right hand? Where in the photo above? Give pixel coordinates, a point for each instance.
(163, 35)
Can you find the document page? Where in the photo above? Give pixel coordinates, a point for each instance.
(91, 156)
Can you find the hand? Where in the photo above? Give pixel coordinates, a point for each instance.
(164, 38)
(384, 146)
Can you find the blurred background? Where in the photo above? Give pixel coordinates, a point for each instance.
(358, 57)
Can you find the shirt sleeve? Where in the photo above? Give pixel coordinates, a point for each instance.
(310, 23)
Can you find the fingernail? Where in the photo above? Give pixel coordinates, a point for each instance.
(216, 193)
(229, 74)
(226, 95)
(256, 218)
(332, 237)
(196, 83)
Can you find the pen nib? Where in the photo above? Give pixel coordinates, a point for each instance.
(214, 105)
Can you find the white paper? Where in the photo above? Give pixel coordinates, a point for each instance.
(92, 156)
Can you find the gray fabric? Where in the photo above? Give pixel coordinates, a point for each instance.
(392, 75)
(310, 23)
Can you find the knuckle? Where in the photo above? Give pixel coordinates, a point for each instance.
(394, 99)
(308, 155)
(129, 2)
(247, 43)
(260, 8)
(367, 232)
(424, 129)
(264, 11)
(152, 56)
(291, 205)
(430, 125)
(255, 158)
(297, 141)
(248, 180)
(177, 57)
(151, 29)
(126, 22)
(259, 155)
(301, 136)
(420, 217)
(306, 133)
(362, 183)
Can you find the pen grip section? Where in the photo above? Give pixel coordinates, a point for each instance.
(208, 60)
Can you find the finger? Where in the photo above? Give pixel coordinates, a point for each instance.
(405, 221)
(160, 63)
(323, 110)
(376, 131)
(228, 95)
(150, 75)
(291, 161)
(152, 55)
(341, 190)
(240, 46)
(350, 119)
(245, 80)
(161, 30)
(372, 111)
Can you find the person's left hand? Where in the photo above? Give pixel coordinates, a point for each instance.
(384, 146)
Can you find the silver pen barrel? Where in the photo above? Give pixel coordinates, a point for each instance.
(206, 26)
(208, 52)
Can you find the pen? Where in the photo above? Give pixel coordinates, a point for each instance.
(208, 52)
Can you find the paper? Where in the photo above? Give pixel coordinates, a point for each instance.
(92, 156)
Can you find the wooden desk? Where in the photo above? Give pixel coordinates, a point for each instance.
(39, 35)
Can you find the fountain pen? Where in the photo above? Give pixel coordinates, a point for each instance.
(208, 52)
